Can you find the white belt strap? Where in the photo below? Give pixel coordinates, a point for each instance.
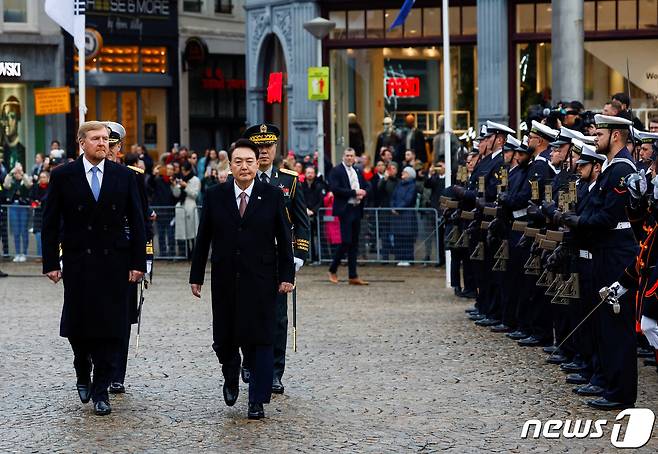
(520, 213)
(583, 254)
(622, 226)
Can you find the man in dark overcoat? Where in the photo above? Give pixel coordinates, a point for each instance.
(252, 260)
(88, 204)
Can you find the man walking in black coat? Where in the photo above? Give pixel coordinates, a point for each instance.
(244, 220)
(87, 206)
(350, 190)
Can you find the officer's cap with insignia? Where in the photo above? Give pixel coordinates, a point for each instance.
(523, 146)
(610, 122)
(497, 128)
(117, 131)
(543, 131)
(588, 153)
(511, 144)
(483, 133)
(566, 136)
(262, 134)
(645, 137)
(589, 140)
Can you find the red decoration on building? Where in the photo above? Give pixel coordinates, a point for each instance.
(403, 87)
(275, 88)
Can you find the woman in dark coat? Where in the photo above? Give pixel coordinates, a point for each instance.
(404, 223)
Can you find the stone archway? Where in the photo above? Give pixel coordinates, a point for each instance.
(272, 59)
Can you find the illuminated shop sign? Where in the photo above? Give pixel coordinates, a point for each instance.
(215, 80)
(402, 87)
(10, 69)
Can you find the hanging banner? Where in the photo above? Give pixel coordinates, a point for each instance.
(49, 101)
(275, 88)
(318, 83)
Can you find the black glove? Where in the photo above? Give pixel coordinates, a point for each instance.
(548, 208)
(570, 220)
(533, 210)
(502, 198)
(557, 217)
(480, 203)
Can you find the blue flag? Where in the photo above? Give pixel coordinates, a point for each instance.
(402, 15)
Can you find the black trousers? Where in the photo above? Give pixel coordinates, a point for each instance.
(121, 362)
(350, 227)
(99, 353)
(280, 334)
(260, 366)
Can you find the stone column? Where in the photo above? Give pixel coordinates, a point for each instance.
(568, 38)
(492, 35)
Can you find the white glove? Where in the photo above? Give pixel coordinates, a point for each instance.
(149, 266)
(650, 330)
(654, 182)
(618, 289)
(298, 264)
(637, 184)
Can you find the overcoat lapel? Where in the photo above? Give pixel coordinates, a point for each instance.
(254, 200)
(79, 179)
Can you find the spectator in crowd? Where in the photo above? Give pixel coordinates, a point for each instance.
(37, 167)
(194, 161)
(222, 176)
(366, 167)
(299, 168)
(379, 172)
(439, 145)
(55, 145)
(223, 161)
(404, 222)
(471, 161)
(612, 108)
(435, 183)
(290, 161)
(17, 186)
(331, 226)
(146, 158)
(163, 202)
(210, 179)
(411, 161)
(653, 124)
(385, 188)
(203, 161)
(356, 134)
(186, 190)
(177, 172)
(37, 197)
(389, 137)
(314, 192)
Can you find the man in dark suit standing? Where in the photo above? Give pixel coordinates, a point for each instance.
(89, 204)
(245, 221)
(349, 188)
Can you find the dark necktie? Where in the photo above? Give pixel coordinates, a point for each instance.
(243, 203)
(264, 178)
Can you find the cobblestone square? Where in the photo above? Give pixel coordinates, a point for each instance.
(393, 367)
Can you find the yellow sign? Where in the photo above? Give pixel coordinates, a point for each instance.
(318, 83)
(49, 101)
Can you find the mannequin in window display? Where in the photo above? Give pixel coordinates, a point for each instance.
(10, 117)
(390, 138)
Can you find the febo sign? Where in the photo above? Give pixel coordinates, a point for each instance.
(275, 88)
(402, 87)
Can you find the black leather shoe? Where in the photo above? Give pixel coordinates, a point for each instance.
(102, 408)
(588, 390)
(605, 404)
(471, 310)
(645, 352)
(277, 386)
(469, 294)
(650, 362)
(557, 358)
(501, 328)
(517, 335)
(577, 379)
(573, 367)
(2, 274)
(256, 411)
(117, 388)
(84, 391)
(488, 322)
(531, 341)
(550, 349)
(477, 316)
(457, 290)
(231, 393)
(246, 374)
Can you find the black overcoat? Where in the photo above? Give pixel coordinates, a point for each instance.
(97, 254)
(250, 257)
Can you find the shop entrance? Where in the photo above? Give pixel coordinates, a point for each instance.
(276, 113)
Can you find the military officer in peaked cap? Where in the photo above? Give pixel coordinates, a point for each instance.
(266, 137)
(117, 135)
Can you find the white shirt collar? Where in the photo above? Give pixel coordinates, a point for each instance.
(496, 153)
(88, 165)
(591, 185)
(347, 168)
(268, 172)
(239, 191)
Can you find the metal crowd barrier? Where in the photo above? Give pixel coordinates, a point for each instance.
(388, 235)
(20, 232)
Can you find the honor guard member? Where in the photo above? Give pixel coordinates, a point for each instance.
(117, 136)
(606, 223)
(266, 137)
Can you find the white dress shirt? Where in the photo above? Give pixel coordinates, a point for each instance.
(268, 172)
(88, 173)
(239, 191)
(354, 183)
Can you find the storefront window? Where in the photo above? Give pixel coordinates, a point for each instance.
(338, 17)
(375, 23)
(192, 6)
(154, 119)
(627, 14)
(432, 22)
(605, 15)
(390, 15)
(379, 82)
(589, 13)
(648, 17)
(534, 75)
(455, 20)
(525, 18)
(355, 24)
(544, 12)
(413, 24)
(469, 20)
(15, 11)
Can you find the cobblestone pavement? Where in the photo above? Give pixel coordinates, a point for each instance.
(393, 367)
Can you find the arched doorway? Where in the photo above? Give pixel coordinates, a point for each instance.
(274, 60)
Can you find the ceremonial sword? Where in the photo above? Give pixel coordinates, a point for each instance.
(294, 316)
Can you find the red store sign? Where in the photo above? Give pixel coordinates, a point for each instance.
(214, 80)
(402, 87)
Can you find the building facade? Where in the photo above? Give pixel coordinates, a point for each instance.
(212, 72)
(31, 56)
(506, 55)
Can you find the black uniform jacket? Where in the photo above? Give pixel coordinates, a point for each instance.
(250, 257)
(97, 253)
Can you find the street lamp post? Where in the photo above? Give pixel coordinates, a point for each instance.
(320, 28)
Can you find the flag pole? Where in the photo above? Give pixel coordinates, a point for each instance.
(447, 113)
(82, 95)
